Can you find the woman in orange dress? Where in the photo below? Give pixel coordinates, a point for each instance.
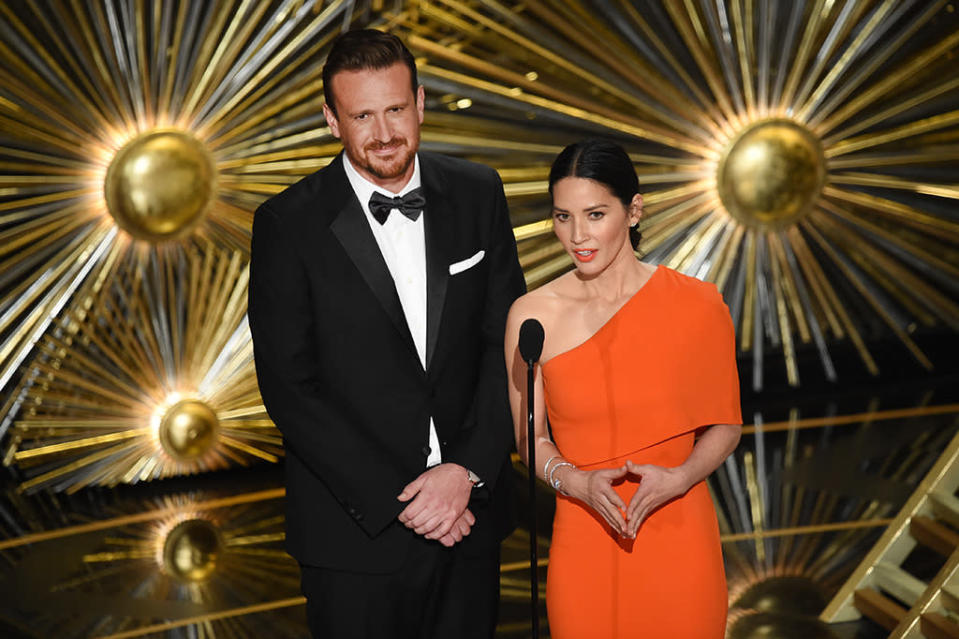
(639, 381)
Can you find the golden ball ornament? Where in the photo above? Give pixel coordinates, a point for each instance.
(771, 174)
(191, 549)
(160, 185)
(188, 429)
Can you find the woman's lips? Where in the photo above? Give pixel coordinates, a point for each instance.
(585, 255)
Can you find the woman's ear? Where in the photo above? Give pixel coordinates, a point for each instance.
(635, 210)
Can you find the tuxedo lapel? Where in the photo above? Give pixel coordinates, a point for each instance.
(353, 231)
(437, 236)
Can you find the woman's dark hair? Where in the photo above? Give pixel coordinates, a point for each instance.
(365, 49)
(603, 162)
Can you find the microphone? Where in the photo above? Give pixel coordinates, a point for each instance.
(531, 337)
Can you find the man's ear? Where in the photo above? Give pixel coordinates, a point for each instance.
(420, 102)
(331, 120)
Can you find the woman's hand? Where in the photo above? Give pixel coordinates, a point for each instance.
(657, 486)
(595, 489)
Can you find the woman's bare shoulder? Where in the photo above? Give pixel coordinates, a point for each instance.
(543, 303)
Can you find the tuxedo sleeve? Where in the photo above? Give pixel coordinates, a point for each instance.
(489, 438)
(317, 430)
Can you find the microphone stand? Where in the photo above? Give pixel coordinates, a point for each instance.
(531, 467)
(531, 336)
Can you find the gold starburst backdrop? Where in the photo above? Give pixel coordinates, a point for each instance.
(151, 377)
(841, 115)
(170, 121)
(797, 154)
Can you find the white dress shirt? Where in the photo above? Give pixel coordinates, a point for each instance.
(402, 243)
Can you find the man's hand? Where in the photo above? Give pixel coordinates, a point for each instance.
(439, 498)
(461, 528)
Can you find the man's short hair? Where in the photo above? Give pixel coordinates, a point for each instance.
(365, 49)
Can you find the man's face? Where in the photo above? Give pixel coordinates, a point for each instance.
(378, 120)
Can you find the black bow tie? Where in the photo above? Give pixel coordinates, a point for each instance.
(410, 205)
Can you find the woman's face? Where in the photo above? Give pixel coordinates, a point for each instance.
(592, 223)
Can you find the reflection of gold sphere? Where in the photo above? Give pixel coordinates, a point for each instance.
(188, 429)
(160, 185)
(764, 625)
(191, 549)
(771, 174)
(792, 595)
(781, 608)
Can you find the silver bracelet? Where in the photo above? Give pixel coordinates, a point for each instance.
(555, 483)
(546, 465)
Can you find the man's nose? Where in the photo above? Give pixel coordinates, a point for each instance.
(381, 130)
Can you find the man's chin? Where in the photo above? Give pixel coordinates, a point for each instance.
(389, 169)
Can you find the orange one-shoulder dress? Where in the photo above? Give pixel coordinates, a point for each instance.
(662, 367)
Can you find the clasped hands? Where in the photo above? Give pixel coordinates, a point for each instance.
(658, 484)
(437, 504)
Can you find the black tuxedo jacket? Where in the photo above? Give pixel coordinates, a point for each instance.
(339, 373)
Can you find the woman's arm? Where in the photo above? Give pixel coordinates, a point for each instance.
(593, 488)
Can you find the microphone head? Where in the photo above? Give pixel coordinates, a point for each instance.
(531, 340)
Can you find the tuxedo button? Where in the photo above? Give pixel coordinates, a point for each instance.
(426, 450)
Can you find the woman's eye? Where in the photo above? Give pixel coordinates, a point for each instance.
(561, 217)
(595, 215)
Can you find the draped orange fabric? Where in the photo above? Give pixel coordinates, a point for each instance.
(663, 366)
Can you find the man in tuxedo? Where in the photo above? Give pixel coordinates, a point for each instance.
(379, 288)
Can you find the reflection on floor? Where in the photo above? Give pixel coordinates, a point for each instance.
(800, 503)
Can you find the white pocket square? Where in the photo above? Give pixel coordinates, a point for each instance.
(469, 262)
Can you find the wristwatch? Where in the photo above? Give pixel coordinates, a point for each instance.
(474, 479)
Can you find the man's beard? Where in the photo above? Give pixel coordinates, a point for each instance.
(395, 166)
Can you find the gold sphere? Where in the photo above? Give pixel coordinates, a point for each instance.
(188, 429)
(160, 185)
(771, 174)
(191, 549)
